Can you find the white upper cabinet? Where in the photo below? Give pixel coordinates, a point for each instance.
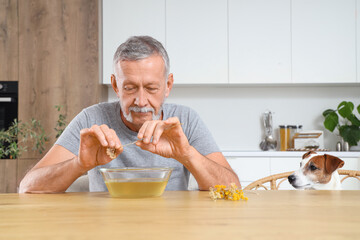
(323, 41)
(358, 40)
(196, 40)
(242, 41)
(259, 41)
(125, 18)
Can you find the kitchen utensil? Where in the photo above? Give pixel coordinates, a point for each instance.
(136, 182)
(269, 142)
(131, 143)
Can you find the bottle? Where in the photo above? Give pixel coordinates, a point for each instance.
(338, 147)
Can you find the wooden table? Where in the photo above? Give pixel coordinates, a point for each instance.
(182, 215)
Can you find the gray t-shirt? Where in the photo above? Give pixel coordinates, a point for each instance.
(109, 113)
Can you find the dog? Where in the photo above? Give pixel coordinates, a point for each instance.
(318, 172)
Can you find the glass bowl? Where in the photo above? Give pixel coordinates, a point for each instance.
(136, 182)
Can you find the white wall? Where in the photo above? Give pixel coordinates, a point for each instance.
(233, 114)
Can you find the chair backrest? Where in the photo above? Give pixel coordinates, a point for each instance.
(281, 177)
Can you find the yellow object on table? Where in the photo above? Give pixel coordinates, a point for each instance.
(228, 193)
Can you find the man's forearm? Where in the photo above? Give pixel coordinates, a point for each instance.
(51, 179)
(207, 172)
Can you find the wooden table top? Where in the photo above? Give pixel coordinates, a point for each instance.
(182, 215)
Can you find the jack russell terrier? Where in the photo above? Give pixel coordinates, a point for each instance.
(317, 172)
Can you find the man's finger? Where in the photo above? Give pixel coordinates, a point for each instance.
(109, 134)
(99, 135)
(148, 147)
(142, 130)
(149, 131)
(158, 131)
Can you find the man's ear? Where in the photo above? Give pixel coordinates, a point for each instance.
(332, 163)
(114, 84)
(169, 84)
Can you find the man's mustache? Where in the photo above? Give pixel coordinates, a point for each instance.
(141, 109)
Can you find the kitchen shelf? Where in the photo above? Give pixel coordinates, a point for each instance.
(285, 153)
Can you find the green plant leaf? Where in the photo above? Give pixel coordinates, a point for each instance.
(354, 120)
(350, 134)
(331, 121)
(358, 108)
(345, 109)
(327, 112)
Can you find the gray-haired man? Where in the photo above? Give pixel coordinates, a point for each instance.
(172, 135)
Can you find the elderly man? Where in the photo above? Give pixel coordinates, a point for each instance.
(168, 134)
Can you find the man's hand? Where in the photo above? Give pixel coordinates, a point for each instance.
(94, 142)
(168, 138)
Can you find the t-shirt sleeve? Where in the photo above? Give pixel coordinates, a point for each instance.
(199, 135)
(70, 138)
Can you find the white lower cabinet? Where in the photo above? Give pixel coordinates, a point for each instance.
(250, 169)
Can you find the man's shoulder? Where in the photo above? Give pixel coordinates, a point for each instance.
(101, 107)
(174, 109)
(180, 111)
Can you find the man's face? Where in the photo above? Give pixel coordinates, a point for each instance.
(142, 89)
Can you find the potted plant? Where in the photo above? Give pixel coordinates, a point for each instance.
(61, 122)
(14, 139)
(345, 121)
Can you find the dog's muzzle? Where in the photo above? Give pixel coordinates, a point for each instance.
(291, 178)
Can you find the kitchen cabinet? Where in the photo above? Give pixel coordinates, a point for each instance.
(358, 40)
(323, 41)
(125, 18)
(242, 42)
(8, 175)
(196, 40)
(259, 41)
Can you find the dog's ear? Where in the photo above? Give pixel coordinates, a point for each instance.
(332, 163)
(308, 154)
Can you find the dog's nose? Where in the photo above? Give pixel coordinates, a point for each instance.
(291, 178)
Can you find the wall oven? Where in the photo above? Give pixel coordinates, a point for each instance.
(8, 103)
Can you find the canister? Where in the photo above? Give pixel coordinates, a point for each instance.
(284, 137)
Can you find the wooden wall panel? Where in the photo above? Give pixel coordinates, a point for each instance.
(9, 40)
(59, 64)
(8, 175)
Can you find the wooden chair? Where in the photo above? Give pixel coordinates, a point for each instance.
(281, 177)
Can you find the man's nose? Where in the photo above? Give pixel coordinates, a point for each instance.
(141, 98)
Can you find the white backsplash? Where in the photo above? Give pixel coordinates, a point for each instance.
(233, 114)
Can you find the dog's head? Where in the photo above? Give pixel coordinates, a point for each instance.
(315, 169)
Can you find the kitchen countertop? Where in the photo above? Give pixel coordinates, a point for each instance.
(284, 153)
(181, 215)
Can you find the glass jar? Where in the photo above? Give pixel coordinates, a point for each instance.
(292, 130)
(284, 137)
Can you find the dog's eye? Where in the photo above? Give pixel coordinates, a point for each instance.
(313, 167)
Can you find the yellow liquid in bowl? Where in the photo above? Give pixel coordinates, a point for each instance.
(136, 188)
